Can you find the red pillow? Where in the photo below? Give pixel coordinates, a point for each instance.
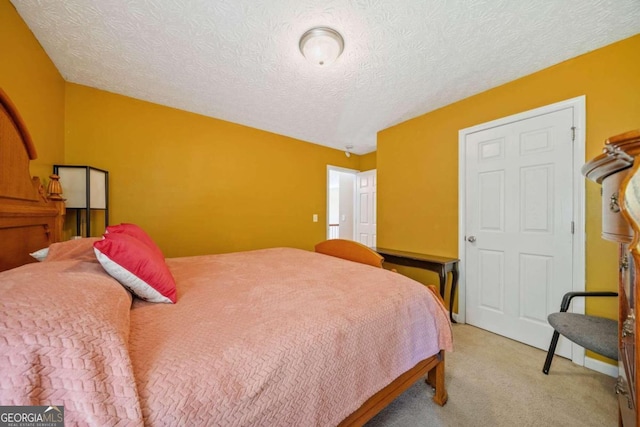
(137, 267)
(137, 232)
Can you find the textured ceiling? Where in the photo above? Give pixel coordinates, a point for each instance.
(238, 60)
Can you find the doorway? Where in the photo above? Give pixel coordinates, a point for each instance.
(521, 222)
(341, 185)
(351, 205)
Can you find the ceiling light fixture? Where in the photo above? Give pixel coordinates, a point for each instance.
(321, 45)
(348, 151)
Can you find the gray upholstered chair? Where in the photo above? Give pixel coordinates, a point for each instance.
(594, 333)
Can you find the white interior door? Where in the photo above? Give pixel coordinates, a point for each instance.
(366, 207)
(519, 226)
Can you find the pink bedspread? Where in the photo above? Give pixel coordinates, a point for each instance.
(278, 337)
(64, 331)
(275, 337)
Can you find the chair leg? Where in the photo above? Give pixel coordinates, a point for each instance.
(550, 353)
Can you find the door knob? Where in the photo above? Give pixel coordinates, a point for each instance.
(471, 239)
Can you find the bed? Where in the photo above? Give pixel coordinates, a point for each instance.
(276, 336)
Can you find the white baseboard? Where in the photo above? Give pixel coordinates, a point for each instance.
(602, 367)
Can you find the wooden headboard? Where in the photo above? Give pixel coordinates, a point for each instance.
(29, 220)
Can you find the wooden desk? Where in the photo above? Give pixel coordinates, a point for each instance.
(438, 264)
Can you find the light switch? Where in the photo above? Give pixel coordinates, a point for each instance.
(315, 217)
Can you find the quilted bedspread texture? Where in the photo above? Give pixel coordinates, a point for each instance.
(274, 337)
(64, 332)
(278, 337)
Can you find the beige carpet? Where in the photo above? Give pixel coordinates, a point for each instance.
(494, 381)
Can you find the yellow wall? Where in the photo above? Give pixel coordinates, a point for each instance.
(368, 161)
(196, 184)
(35, 86)
(417, 160)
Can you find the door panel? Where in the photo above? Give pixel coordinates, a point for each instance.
(519, 208)
(366, 196)
(534, 270)
(491, 279)
(537, 199)
(492, 201)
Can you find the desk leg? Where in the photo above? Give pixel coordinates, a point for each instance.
(443, 281)
(454, 284)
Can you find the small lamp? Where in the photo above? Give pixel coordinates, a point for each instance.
(321, 45)
(85, 188)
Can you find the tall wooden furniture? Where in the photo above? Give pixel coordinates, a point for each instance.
(29, 220)
(614, 169)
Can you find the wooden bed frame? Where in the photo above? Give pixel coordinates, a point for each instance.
(31, 220)
(433, 367)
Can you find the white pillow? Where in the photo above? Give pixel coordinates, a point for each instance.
(41, 254)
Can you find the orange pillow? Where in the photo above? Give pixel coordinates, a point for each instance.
(137, 267)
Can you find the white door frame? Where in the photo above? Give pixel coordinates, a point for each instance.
(578, 263)
(345, 170)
